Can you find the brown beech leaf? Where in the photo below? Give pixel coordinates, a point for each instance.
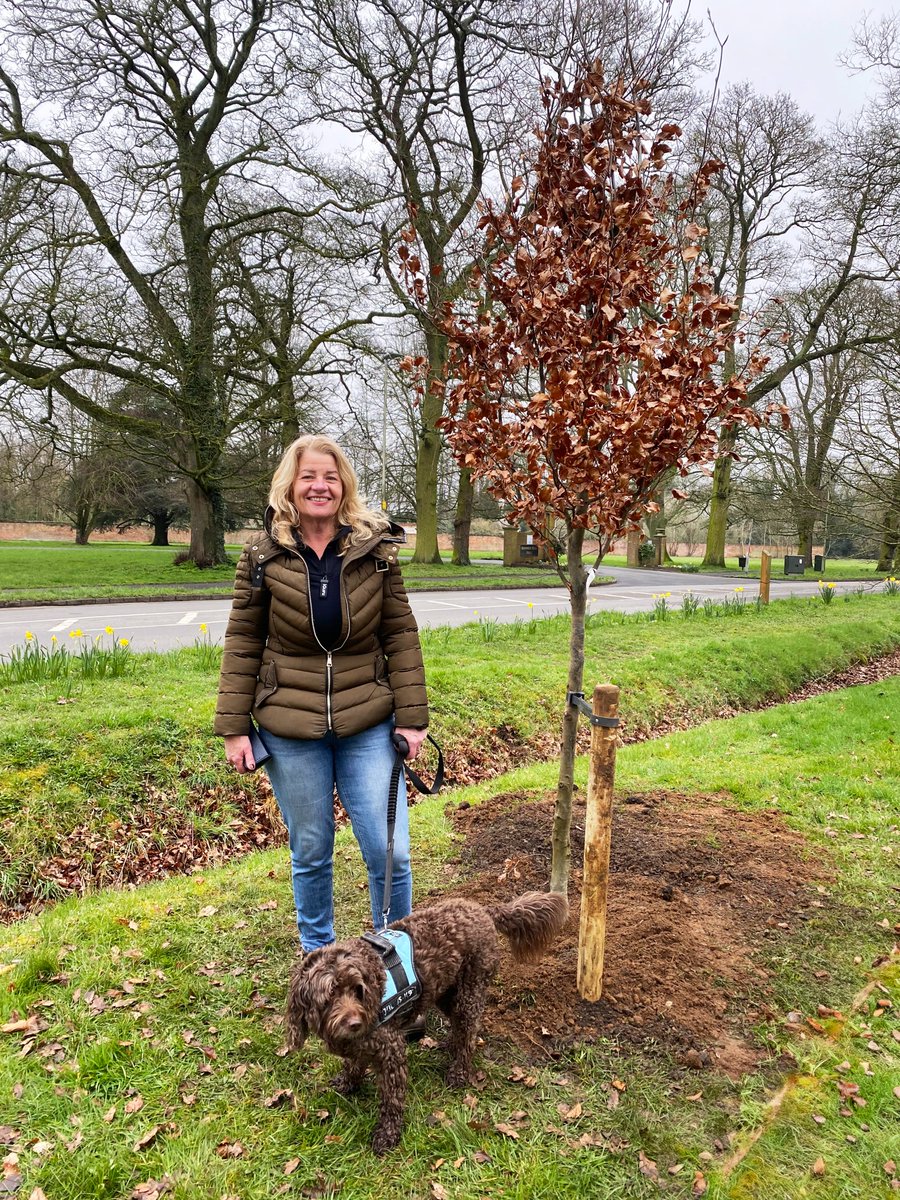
(818, 1167)
(647, 1166)
(147, 1138)
(507, 1130)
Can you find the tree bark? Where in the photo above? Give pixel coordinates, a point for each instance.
(889, 553)
(560, 860)
(462, 522)
(720, 500)
(429, 453)
(160, 528)
(207, 509)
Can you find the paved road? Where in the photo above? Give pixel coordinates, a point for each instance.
(167, 624)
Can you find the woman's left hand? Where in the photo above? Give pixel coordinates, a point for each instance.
(414, 739)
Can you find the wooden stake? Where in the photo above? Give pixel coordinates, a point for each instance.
(765, 574)
(597, 839)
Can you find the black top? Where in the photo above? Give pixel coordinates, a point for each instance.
(325, 589)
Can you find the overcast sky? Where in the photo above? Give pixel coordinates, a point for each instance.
(792, 46)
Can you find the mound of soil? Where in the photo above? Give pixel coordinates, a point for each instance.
(695, 889)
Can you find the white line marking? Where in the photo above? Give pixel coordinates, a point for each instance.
(62, 625)
(188, 618)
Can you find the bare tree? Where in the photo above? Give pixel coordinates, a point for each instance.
(147, 151)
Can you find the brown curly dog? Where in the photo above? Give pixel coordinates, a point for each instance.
(336, 992)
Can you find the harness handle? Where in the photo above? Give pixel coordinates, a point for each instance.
(401, 745)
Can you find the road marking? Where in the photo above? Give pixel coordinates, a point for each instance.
(188, 618)
(63, 625)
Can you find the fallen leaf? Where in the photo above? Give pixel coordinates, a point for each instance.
(700, 1184)
(147, 1138)
(818, 1167)
(507, 1130)
(135, 1104)
(282, 1096)
(647, 1166)
(291, 1166)
(228, 1149)
(110, 1115)
(208, 910)
(438, 1191)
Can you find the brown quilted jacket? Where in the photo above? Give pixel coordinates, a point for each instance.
(274, 669)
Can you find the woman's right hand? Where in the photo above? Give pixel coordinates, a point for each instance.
(239, 753)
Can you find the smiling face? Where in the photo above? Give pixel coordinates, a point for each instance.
(317, 491)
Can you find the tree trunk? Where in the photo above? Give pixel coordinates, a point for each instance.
(889, 554)
(720, 500)
(462, 522)
(562, 817)
(84, 525)
(160, 528)
(805, 528)
(428, 453)
(207, 545)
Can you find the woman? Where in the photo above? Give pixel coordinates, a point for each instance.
(322, 650)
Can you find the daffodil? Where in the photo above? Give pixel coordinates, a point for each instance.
(203, 628)
(110, 630)
(29, 636)
(53, 638)
(739, 589)
(123, 641)
(831, 585)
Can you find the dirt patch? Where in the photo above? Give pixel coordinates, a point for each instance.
(696, 889)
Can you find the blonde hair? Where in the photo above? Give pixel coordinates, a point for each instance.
(362, 521)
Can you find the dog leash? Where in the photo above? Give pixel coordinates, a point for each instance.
(402, 747)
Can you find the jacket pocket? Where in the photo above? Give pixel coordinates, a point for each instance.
(267, 685)
(381, 671)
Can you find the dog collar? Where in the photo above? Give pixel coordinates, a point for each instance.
(402, 987)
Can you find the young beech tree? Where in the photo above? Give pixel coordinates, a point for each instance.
(586, 366)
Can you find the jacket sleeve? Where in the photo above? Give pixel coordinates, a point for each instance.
(400, 639)
(245, 639)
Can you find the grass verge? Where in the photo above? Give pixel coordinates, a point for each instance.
(120, 780)
(140, 1044)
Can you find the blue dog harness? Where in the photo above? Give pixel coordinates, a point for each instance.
(402, 987)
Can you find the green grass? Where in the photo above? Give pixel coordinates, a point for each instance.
(36, 572)
(43, 571)
(137, 752)
(167, 1000)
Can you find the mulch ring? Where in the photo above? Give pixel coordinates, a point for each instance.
(695, 889)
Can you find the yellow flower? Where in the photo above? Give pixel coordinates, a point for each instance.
(53, 638)
(203, 628)
(738, 589)
(530, 605)
(831, 585)
(123, 641)
(79, 633)
(29, 636)
(110, 630)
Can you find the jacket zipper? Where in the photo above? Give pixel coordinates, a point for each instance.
(329, 666)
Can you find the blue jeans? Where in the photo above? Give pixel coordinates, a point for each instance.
(304, 773)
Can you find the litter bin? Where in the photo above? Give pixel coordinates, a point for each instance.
(794, 564)
(742, 562)
(819, 563)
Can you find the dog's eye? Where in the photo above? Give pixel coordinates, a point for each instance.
(360, 992)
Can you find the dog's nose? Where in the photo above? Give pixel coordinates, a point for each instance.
(354, 1024)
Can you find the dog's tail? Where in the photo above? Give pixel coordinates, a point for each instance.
(531, 922)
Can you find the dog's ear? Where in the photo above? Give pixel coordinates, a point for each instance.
(296, 1016)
